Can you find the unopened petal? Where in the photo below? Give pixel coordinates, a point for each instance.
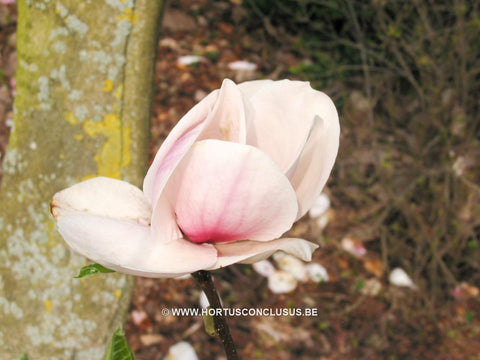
(220, 116)
(310, 172)
(280, 115)
(175, 146)
(227, 120)
(224, 191)
(248, 252)
(128, 247)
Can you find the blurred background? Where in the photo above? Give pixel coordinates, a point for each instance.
(404, 193)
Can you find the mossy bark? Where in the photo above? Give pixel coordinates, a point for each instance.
(84, 87)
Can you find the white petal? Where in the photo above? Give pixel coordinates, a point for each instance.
(319, 206)
(280, 115)
(204, 303)
(323, 220)
(248, 252)
(227, 119)
(190, 60)
(242, 65)
(264, 268)
(310, 172)
(399, 277)
(128, 247)
(291, 265)
(103, 197)
(164, 224)
(181, 351)
(353, 246)
(281, 282)
(371, 288)
(317, 272)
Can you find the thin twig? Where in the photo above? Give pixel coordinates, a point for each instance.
(204, 280)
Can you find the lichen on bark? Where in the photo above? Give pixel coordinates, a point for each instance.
(84, 86)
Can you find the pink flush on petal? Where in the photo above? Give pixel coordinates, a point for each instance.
(213, 236)
(172, 157)
(223, 191)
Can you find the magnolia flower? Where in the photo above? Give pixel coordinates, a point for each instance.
(233, 176)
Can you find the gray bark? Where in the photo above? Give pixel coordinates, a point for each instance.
(84, 87)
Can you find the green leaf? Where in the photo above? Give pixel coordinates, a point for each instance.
(119, 348)
(23, 357)
(92, 269)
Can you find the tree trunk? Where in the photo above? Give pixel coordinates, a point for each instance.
(84, 88)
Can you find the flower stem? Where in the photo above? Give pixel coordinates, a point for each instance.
(204, 280)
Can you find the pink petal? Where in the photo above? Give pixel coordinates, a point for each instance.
(220, 115)
(128, 247)
(175, 146)
(280, 115)
(223, 191)
(311, 171)
(248, 252)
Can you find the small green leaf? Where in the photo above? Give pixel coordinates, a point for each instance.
(359, 285)
(23, 357)
(469, 316)
(92, 269)
(119, 348)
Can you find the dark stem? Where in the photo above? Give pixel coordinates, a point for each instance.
(204, 279)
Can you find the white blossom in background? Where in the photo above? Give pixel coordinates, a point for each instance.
(292, 265)
(465, 291)
(371, 288)
(353, 246)
(320, 210)
(242, 65)
(204, 303)
(323, 220)
(190, 60)
(264, 268)
(281, 282)
(320, 206)
(181, 351)
(459, 166)
(243, 70)
(139, 316)
(399, 277)
(317, 272)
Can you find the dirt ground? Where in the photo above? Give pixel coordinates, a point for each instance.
(389, 322)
